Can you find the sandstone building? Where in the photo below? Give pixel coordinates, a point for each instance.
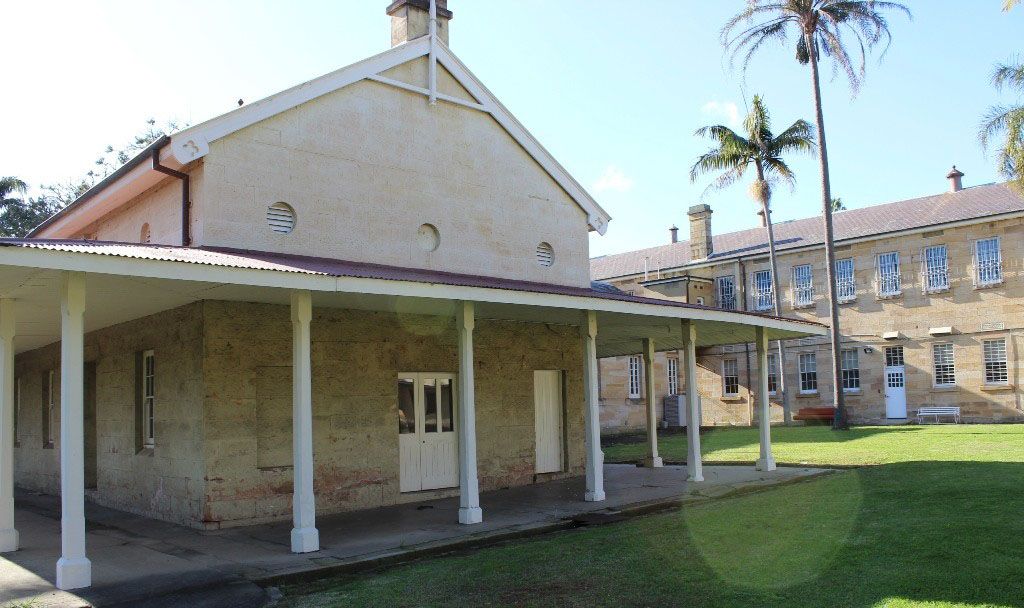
(931, 313)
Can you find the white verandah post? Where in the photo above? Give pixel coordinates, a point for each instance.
(592, 432)
(74, 570)
(305, 536)
(694, 468)
(766, 462)
(469, 485)
(652, 460)
(8, 534)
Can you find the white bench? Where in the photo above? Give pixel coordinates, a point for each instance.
(937, 412)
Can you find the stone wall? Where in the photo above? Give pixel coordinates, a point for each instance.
(357, 358)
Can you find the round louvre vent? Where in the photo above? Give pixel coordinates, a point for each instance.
(281, 218)
(545, 255)
(428, 237)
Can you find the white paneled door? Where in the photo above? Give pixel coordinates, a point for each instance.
(895, 383)
(427, 442)
(547, 396)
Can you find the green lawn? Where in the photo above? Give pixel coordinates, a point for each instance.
(939, 523)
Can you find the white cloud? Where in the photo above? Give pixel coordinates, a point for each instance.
(723, 109)
(613, 180)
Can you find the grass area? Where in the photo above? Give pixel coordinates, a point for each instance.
(938, 524)
(859, 446)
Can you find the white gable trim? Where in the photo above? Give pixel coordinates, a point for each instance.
(194, 143)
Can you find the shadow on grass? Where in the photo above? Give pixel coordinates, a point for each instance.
(948, 533)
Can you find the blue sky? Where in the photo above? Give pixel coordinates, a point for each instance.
(614, 90)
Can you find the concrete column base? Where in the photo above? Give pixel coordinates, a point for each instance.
(74, 573)
(596, 496)
(305, 540)
(470, 515)
(654, 463)
(8, 540)
(766, 464)
(698, 477)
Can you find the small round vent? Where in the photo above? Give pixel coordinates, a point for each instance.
(545, 255)
(281, 218)
(428, 237)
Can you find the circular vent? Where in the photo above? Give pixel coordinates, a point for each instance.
(545, 255)
(281, 218)
(428, 237)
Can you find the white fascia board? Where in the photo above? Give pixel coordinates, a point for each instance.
(222, 275)
(597, 218)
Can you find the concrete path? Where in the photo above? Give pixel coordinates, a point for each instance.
(137, 559)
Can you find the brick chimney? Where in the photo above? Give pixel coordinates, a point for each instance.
(700, 232)
(956, 180)
(410, 19)
(674, 231)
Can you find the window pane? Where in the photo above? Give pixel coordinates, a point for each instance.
(889, 282)
(430, 406)
(808, 373)
(406, 406)
(726, 288)
(447, 401)
(945, 371)
(763, 297)
(936, 267)
(803, 285)
(634, 377)
(894, 356)
(850, 370)
(846, 286)
(673, 376)
(773, 373)
(988, 261)
(995, 361)
(731, 377)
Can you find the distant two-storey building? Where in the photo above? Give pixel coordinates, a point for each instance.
(931, 309)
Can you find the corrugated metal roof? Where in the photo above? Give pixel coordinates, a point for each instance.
(970, 203)
(280, 262)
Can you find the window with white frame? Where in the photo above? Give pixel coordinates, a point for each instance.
(995, 361)
(673, 376)
(634, 377)
(850, 370)
(846, 284)
(773, 373)
(888, 271)
(988, 262)
(936, 268)
(730, 378)
(148, 399)
(761, 290)
(945, 369)
(803, 285)
(725, 290)
(808, 373)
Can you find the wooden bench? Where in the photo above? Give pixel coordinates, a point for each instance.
(816, 414)
(937, 412)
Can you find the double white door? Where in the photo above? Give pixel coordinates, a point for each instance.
(427, 442)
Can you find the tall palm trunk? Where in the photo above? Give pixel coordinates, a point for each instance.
(840, 420)
(765, 196)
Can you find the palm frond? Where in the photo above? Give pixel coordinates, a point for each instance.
(1008, 75)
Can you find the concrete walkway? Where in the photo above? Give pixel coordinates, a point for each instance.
(137, 559)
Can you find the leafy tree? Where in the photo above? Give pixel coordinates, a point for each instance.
(837, 205)
(19, 215)
(762, 151)
(822, 28)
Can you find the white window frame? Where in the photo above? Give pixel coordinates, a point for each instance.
(946, 368)
(888, 284)
(803, 286)
(989, 272)
(808, 373)
(993, 359)
(935, 269)
(634, 377)
(726, 364)
(846, 286)
(773, 374)
(761, 294)
(725, 292)
(672, 370)
(148, 399)
(849, 375)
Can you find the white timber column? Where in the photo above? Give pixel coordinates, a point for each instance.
(592, 416)
(652, 460)
(766, 462)
(305, 537)
(8, 534)
(74, 570)
(694, 468)
(469, 485)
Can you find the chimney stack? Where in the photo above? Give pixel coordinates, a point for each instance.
(700, 232)
(956, 180)
(410, 19)
(674, 230)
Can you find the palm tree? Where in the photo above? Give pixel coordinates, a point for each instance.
(762, 151)
(821, 27)
(1009, 121)
(1008, 4)
(9, 186)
